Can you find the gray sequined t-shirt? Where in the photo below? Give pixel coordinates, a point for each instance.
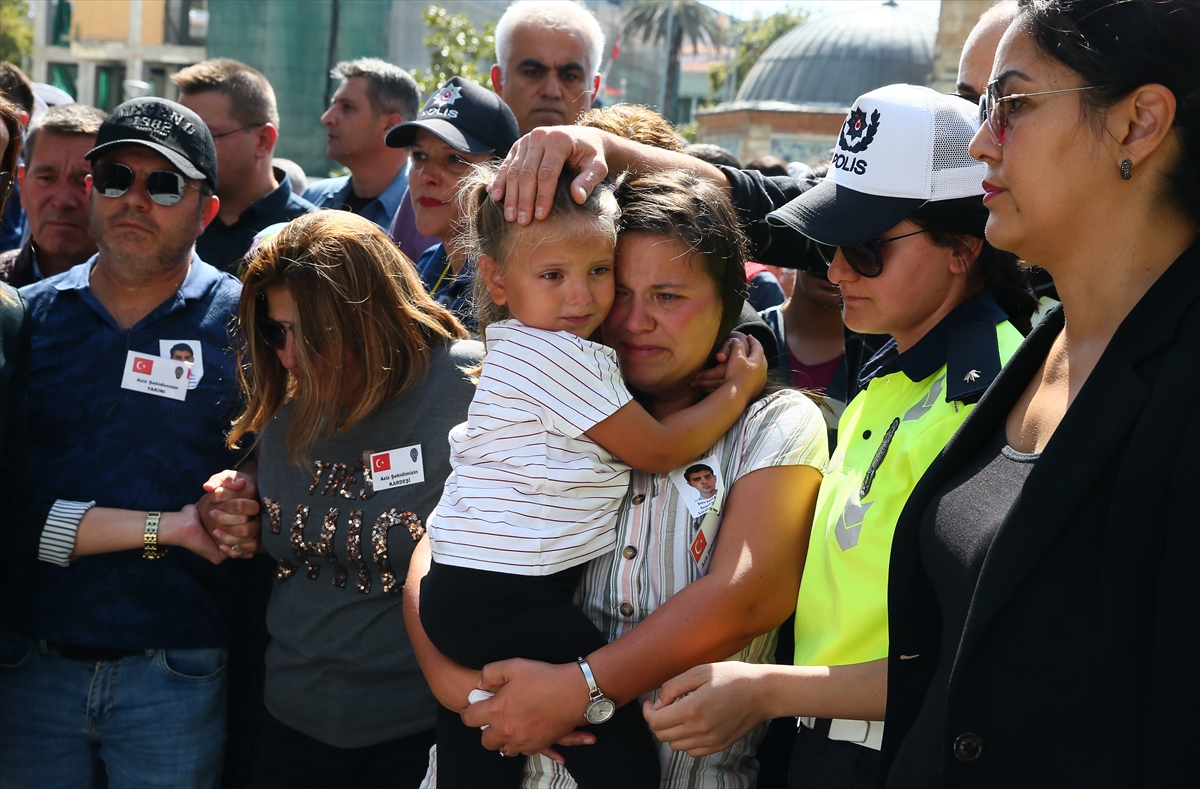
(340, 667)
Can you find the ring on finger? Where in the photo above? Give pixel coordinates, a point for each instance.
(237, 549)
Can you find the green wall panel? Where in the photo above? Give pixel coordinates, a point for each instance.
(289, 41)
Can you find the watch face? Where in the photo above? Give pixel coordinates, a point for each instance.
(600, 711)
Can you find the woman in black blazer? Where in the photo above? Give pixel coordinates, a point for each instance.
(1043, 588)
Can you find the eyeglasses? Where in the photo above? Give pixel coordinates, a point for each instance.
(865, 258)
(113, 179)
(272, 332)
(6, 182)
(235, 131)
(994, 109)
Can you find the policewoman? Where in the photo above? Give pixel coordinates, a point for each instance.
(460, 125)
(900, 221)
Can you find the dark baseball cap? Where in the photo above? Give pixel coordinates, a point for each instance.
(456, 107)
(165, 127)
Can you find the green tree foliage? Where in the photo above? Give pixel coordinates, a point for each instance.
(689, 20)
(753, 36)
(456, 49)
(16, 34)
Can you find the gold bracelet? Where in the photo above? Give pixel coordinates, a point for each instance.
(151, 550)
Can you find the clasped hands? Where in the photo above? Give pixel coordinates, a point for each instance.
(223, 524)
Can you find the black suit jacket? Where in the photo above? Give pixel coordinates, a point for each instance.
(1080, 657)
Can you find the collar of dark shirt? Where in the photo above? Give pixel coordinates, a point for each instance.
(923, 359)
(432, 268)
(195, 285)
(273, 203)
(389, 200)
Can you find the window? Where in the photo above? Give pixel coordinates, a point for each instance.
(64, 76)
(109, 91)
(60, 29)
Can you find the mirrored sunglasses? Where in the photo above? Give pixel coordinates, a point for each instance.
(113, 179)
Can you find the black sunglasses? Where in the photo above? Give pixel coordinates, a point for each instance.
(113, 179)
(866, 257)
(6, 182)
(272, 332)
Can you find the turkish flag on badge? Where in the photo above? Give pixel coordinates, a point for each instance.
(698, 545)
(381, 462)
(143, 365)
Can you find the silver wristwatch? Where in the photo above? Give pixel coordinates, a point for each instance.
(599, 708)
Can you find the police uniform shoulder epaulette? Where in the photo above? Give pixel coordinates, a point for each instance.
(972, 361)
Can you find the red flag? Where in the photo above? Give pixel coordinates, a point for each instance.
(142, 365)
(381, 462)
(616, 53)
(698, 545)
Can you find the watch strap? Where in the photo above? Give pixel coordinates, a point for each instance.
(594, 692)
(150, 548)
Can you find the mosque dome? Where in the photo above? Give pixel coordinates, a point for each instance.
(831, 62)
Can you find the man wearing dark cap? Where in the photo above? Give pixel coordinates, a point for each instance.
(461, 124)
(121, 656)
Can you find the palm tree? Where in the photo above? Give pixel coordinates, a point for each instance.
(673, 21)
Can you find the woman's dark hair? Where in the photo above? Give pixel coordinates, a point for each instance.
(1120, 46)
(679, 204)
(12, 154)
(8, 164)
(953, 224)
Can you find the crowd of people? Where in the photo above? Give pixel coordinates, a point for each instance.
(572, 454)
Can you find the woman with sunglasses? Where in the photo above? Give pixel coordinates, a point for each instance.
(900, 223)
(352, 379)
(1044, 570)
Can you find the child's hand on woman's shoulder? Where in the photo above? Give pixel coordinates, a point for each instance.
(746, 365)
(741, 362)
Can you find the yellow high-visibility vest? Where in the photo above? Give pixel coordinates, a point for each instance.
(887, 437)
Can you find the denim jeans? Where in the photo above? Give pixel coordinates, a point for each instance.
(153, 720)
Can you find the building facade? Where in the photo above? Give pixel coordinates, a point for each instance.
(102, 52)
(794, 100)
